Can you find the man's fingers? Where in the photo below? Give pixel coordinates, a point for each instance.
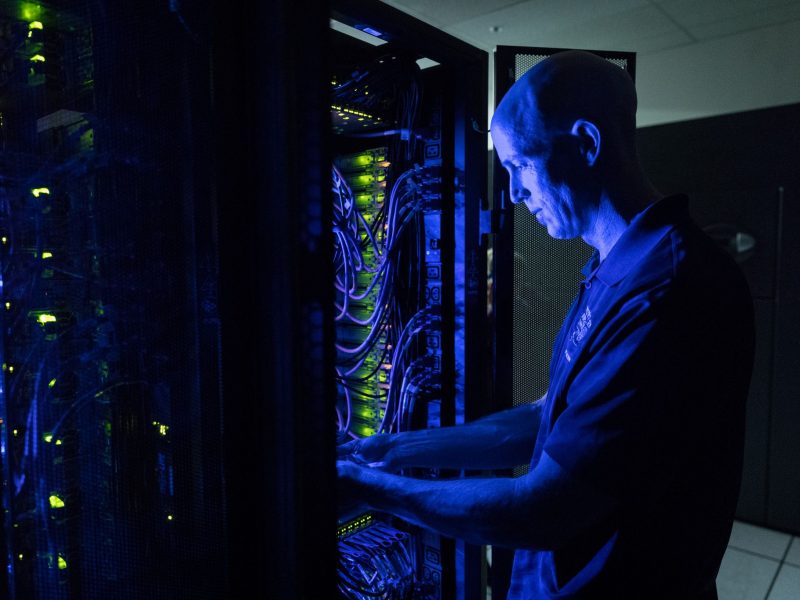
(348, 448)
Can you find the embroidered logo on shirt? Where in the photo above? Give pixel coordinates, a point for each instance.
(580, 331)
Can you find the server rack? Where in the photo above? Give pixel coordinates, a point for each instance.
(109, 405)
(441, 152)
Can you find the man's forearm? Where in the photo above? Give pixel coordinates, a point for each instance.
(542, 509)
(502, 440)
(480, 511)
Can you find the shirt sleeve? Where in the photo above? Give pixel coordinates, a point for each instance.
(619, 423)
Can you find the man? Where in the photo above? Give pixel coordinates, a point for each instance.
(635, 468)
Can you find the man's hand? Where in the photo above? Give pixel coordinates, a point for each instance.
(374, 451)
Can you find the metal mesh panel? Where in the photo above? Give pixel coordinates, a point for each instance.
(546, 277)
(622, 63)
(525, 62)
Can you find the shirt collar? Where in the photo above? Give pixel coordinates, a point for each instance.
(644, 232)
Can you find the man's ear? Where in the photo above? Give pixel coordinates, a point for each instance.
(588, 140)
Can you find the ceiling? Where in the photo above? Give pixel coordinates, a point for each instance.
(642, 26)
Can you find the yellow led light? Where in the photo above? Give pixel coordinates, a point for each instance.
(10, 368)
(8, 305)
(47, 255)
(20, 556)
(15, 432)
(48, 437)
(44, 318)
(56, 502)
(52, 383)
(170, 517)
(38, 58)
(35, 25)
(162, 429)
(59, 442)
(4, 239)
(42, 190)
(62, 563)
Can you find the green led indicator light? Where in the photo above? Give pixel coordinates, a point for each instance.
(30, 11)
(56, 502)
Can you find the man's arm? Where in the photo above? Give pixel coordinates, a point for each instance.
(541, 510)
(501, 440)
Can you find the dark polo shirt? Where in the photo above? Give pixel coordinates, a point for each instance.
(648, 383)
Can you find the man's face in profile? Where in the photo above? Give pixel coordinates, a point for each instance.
(539, 176)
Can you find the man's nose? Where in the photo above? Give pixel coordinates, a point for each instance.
(518, 192)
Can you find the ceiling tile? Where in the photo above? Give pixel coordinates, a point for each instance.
(715, 18)
(445, 13)
(629, 26)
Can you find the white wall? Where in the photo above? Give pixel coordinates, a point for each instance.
(752, 70)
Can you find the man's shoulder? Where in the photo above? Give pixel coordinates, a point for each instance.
(684, 254)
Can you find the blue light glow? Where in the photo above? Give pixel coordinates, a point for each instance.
(371, 31)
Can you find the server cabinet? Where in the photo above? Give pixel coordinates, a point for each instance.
(409, 182)
(110, 433)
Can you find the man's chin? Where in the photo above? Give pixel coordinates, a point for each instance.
(557, 234)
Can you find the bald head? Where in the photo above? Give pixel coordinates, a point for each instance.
(565, 133)
(566, 87)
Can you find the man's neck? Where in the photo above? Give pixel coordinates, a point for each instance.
(614, 215)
